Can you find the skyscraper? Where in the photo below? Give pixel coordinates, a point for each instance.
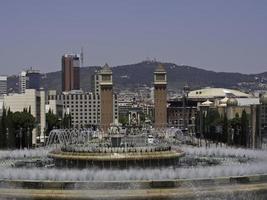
(95, 82)
(106, 97)
(3, 85)
(34, 79)
(160, 97)
(29, 79)
(70, 72)
(22, 82)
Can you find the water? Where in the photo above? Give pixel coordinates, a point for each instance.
(256, 164)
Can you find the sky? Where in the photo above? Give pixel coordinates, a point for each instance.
(218, 35)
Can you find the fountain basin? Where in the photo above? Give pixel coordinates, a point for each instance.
(118, 157)
(243, 187)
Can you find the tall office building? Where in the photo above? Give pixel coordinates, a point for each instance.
(106, 97)
(3, 85)
(70, 72)
(95, 82)
(33, 79)
(22, 82)
(160, 97)
(84, 108)
(29, 79)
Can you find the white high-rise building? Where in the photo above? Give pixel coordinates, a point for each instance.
(95, 86)
(3, 85)
(22, 81)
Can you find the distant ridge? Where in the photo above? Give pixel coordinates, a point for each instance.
(132, 75)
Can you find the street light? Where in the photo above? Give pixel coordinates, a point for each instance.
(7, 139)
(20, 138)
(28, 137)
(185, 97)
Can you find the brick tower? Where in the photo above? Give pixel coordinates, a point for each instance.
(160, 97)
(106, 97)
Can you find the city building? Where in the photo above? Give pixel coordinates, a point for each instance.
(230, 108)
(215, 93)
(29, 79)
(34, 101)
(33, 79)
(55, 105)
(70, 72)
(22, 82)
(98, 108)
(95, 82)
(182, 114)
(236, 106)
(3, 85)
(84, 108)
(160, 97)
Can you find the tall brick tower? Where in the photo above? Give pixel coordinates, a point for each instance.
(160, 97)
(106, 97)
(70, 72)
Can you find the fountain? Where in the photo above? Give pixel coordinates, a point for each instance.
(87, 164)
(77, 149)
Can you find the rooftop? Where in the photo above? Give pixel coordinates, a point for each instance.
(210, 93)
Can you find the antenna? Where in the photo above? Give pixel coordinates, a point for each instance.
(82, 56)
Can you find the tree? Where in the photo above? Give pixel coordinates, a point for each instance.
(16, 129)
(123, 120)
(22, 124)
(198, 125)
(212, 120)
(3, 129)
(66, 121)
(52, 121)
(244, 129)
(236, 125)
(225, 128)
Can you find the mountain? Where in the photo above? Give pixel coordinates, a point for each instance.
(133, 75)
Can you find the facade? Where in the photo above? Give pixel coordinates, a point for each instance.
(3, 85)
(70, 72)
(84, 108)
(182, 114)
(160, 97)
(106, 98)
(54, 104)
(35, 100)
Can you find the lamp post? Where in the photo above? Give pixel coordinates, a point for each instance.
(185, 97)
(7, 139)
(28, 137)
(20, 138)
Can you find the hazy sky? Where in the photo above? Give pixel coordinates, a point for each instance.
(220, 35)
